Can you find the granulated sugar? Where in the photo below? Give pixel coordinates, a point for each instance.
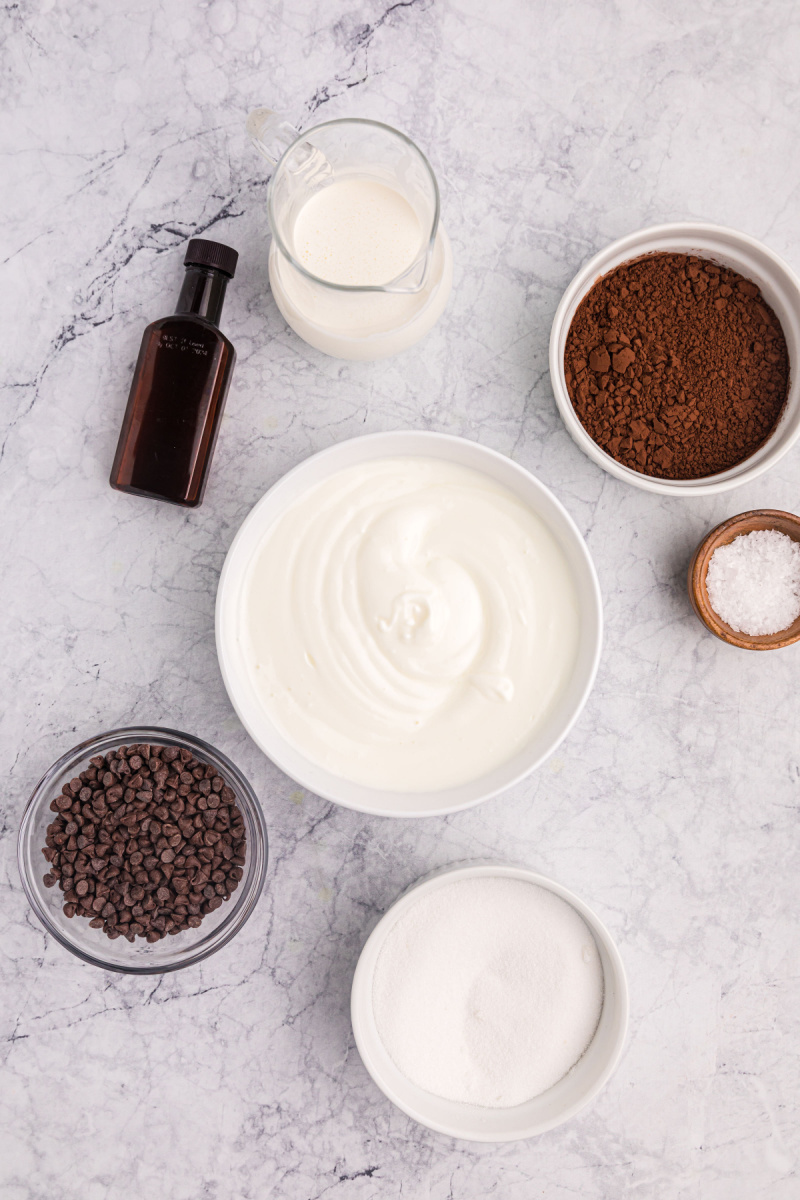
(487, 991)
(753, 583)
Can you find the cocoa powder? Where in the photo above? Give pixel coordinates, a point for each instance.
(676, 367)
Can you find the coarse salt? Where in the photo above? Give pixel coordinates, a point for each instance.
(488, 991)
(753, 583)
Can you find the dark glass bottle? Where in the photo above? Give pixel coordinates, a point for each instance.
(179, 387)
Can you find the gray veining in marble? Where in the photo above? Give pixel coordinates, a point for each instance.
(673, 805)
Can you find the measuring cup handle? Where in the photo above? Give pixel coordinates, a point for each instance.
(270, 133)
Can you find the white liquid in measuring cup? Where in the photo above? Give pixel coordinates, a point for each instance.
(358, 232)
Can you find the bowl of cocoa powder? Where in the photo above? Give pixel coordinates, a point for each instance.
(674, 359)
(143, 850)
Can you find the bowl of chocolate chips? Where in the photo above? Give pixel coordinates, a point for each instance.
(675, 359)
(143, 850)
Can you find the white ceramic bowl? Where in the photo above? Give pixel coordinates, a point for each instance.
(364, 449)
(728, 248)
(470, 1121)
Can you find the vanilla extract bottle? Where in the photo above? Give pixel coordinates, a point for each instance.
(179, 387)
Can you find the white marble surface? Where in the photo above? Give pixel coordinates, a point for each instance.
(672, 807)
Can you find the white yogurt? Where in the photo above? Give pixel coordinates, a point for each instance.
(408, 623)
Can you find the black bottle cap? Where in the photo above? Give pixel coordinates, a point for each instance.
(200, 253)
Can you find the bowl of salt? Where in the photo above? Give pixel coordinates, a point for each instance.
(744, 580)
(489, 1003)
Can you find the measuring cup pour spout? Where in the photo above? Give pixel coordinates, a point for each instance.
(415, 277)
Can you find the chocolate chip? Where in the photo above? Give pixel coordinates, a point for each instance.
(131, 859)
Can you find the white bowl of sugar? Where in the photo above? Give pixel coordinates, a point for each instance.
(490, 1003)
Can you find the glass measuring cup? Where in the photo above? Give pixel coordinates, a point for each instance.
(352, 320)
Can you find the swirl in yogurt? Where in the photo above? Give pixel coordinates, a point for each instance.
(408, 623)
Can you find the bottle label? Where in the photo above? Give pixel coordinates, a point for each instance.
(183, 344)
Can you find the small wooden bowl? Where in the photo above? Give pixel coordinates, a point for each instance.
(759, 518)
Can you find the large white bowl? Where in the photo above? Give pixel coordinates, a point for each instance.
(471, 1121)
(728, 248)
(365, 449)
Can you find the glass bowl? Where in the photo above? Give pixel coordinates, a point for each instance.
(139, 957)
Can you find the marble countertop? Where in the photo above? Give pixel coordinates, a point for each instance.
(672, 806)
